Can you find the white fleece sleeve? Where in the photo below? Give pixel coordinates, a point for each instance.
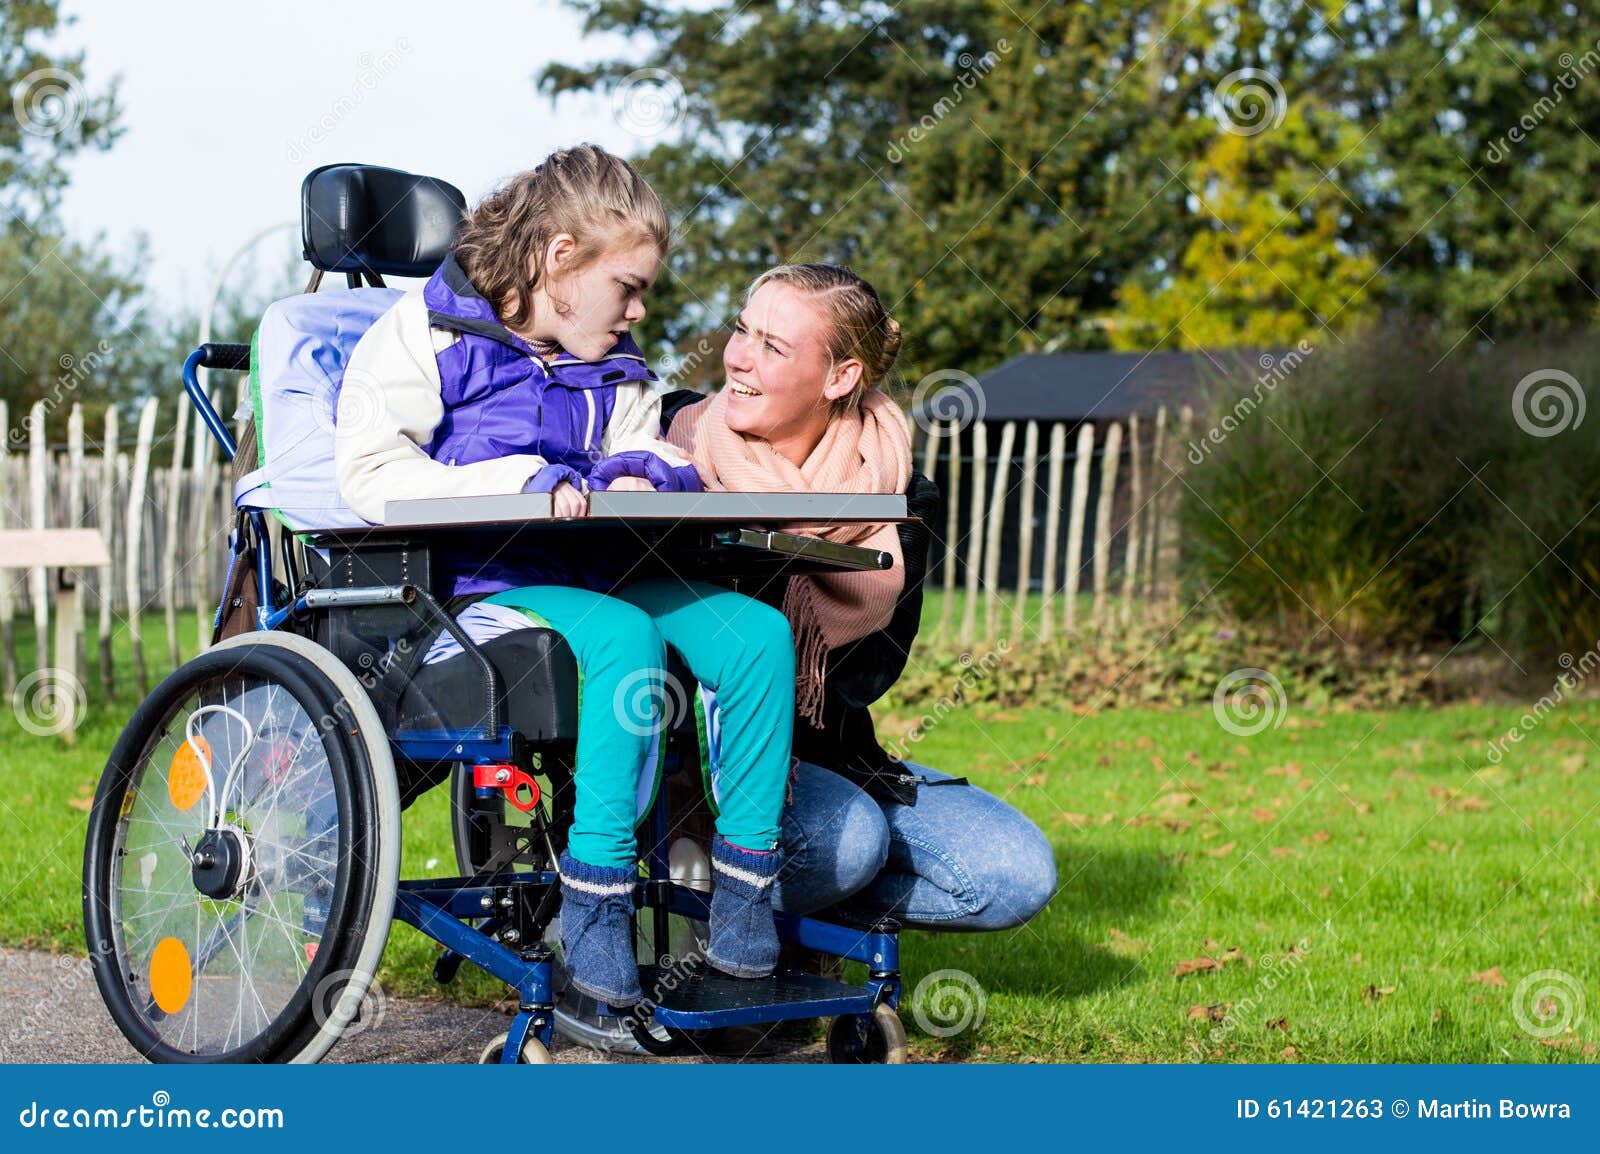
(389, 407)
(636, 424)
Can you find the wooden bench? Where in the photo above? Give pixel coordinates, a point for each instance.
(64, 550)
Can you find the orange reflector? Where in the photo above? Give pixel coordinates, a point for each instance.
(171, 976)
(186, 779)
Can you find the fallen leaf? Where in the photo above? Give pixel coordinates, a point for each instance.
(1223, 850)
(83, 804)
(1373, 993)
(1490, 977)
(1212, 1013)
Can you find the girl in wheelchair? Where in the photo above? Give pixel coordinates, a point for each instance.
(512, 369)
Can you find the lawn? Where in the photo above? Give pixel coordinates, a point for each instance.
(1347, 887)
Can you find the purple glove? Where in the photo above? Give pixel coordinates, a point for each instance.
(664, 478)
(548, 478)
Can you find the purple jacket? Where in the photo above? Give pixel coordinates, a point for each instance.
(500, 399)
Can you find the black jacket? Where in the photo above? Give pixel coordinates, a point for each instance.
(861, 672)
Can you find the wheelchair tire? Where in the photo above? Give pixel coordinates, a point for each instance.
(884, 1044)
(283, 942)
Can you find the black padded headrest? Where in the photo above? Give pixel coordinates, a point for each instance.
(361, 218)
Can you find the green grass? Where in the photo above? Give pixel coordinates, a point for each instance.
(1381, 846)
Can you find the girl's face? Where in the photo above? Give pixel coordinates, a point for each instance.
(587, 311)
(780, 380)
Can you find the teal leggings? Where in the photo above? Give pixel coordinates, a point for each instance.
(737, 647)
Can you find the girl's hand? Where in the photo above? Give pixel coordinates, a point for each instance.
(630, 485)
(568, 501)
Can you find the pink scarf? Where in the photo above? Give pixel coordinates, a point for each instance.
(867, 450)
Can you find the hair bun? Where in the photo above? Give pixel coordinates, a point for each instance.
(891, 346)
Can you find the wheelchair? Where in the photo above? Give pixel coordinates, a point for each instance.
(242, 864)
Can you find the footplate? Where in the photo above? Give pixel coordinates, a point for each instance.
(699, 998)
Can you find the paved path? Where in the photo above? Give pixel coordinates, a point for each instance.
(50, 1011)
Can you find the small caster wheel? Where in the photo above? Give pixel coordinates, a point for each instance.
(445, 969)
(884, 1044)
(533, 1052)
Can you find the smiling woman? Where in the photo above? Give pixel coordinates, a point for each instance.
(801, 410)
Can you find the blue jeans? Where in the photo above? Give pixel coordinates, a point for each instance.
(960, 859)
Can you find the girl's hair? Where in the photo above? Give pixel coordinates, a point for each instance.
(859, 325)
(600, 200)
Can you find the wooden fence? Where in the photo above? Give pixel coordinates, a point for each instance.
(1057, 523)
(164, 507)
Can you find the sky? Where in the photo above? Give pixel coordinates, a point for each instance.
(228, 105)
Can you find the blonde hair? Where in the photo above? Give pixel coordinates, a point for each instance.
(859, 326)
(598, 199)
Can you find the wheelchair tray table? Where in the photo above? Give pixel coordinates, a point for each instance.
(726, 535)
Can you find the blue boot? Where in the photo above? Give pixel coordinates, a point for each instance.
(744, 941)
(597, 931)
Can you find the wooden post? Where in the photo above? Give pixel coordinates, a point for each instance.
(1185, 425)
(952, 531)
(75, 513)
(1130, 562)
(169, 544)
(108, 530)
(39, 575)
(980, 478)
(135, 536)
(53, 703)
(1052, 529)
(1030, 480)
(1102, 522)
(8, 605)
(1080, 504)
(997, 515)
(1158, 493)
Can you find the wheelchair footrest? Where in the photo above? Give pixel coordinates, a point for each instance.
(701, 998)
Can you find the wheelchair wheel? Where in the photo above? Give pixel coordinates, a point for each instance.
(242, 857)
(533, 1052)
(878, 1040)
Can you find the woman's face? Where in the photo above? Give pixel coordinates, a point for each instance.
(779, 378)
(587, 311)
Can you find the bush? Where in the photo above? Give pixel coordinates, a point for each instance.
(1385, 491)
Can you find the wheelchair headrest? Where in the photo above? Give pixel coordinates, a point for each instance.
(361, 218)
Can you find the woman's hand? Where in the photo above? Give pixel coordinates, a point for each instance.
(630, 485)
(568, 502)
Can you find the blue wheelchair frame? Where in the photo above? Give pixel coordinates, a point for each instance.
(438, 907)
